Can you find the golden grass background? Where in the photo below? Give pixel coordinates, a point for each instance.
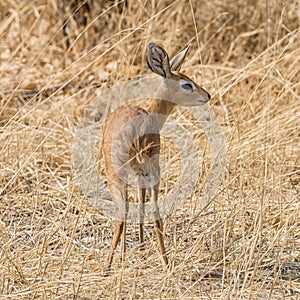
(245, 245)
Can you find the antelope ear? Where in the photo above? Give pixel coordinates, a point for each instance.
(158, 60)
(178, 59)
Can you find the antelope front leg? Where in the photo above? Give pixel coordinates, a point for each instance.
(142, 199)
(158, 223)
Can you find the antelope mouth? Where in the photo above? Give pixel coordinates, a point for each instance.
(203, 101)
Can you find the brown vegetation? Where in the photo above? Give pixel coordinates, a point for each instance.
(245, 245)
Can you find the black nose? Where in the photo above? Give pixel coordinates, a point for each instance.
(208, 96)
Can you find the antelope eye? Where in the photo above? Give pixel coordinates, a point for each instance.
(187, 86)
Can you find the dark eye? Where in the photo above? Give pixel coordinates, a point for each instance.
(187, 86)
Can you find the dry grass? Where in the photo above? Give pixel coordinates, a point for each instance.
(245, 245)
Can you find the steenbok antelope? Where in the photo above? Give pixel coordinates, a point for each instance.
(131, 144)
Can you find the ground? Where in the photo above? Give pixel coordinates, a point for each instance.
(245, 244)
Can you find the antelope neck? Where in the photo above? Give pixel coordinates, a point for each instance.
(161, 107)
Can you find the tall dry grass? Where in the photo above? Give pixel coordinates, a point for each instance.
(245, 245)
